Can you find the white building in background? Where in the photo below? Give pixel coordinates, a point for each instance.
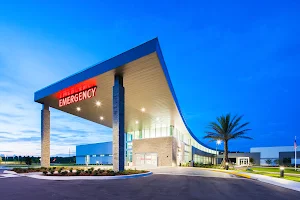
(284, 154)
(99, 153)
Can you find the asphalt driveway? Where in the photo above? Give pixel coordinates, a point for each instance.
(157, 186)
(190, 171)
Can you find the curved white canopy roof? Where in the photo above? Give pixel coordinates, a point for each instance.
(147, 85)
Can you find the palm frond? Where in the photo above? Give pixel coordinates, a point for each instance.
(212, 137)
(240, 127)
(234, 123)
(239, 134)
(227, 128)
(246, 137)
(216, 127)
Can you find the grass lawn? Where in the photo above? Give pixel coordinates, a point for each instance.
(20, 165)
(63, 164)
(34, 165)
(292, 178)
(275, 169)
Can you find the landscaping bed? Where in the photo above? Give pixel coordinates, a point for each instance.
(61, 171)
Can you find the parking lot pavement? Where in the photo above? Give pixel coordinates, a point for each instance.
(157, 186)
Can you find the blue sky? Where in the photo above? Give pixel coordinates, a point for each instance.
(222, 57)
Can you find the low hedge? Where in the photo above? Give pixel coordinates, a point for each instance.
(51, 171)
(92, 172)
(27, 170)
(203, 165)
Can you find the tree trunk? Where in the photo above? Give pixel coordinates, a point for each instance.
(226, 151)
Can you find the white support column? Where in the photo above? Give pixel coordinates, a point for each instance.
(45, 136)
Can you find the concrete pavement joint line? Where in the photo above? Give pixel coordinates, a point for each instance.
(69, 178)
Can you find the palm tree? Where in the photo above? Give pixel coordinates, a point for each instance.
(225, 129)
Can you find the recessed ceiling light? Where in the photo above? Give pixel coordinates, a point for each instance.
(157, 118)
(136, 121)
(98, 103)
(143, 109)
(78, 109)
(101, 118)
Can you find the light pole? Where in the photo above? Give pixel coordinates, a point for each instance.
(281, 172)
(69, 155)
(218, 142)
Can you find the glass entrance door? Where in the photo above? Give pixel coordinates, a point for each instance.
(243, 161)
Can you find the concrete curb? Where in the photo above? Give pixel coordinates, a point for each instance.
(9, 172)
(70, 178)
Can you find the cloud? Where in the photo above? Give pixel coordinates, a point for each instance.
(34, 68)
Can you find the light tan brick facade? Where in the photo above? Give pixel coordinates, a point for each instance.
(165, 147)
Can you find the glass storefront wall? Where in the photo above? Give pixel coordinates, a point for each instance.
(165, 132)
(202, 159)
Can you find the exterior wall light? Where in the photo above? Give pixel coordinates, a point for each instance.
(78, 109)
(101, 118)
(98, 103)
(143, 109)
(136, 122)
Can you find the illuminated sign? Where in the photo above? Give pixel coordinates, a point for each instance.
(81, 91)
(80, 96)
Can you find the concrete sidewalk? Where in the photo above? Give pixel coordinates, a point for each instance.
(293, 185)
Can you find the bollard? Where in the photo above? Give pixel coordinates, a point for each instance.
(281, 172)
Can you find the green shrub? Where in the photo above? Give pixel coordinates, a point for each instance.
(95, 173)
(45, 172)
(249, 169)
(203, 165)
(78, 172)
(20, 170)
(71, 170)
(59, 170)
(63, 173)
(52, 171)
